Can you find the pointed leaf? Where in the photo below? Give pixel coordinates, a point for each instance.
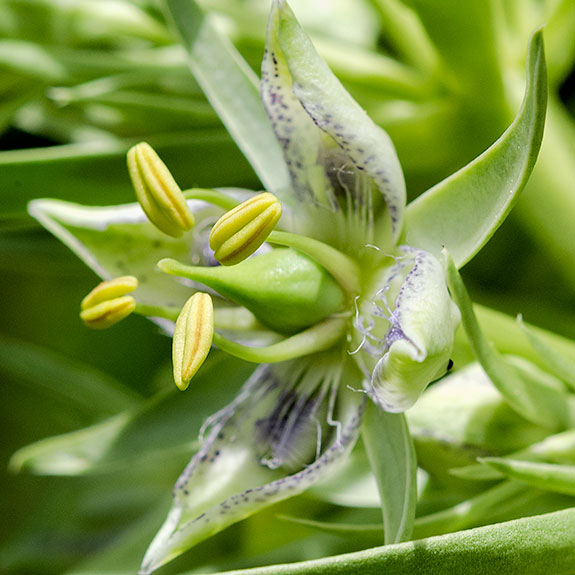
(556, 359)
(559, 448)
(232, 89)
(547, 476)
(462, 212)
(95, 173)
(167, 424)
(392, 455)
(92, 391)
(537, 402)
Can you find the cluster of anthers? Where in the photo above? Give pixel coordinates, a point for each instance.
(331, 276)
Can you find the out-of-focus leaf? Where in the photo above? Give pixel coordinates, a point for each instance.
(507, 336)
(405, 30)
(559, 448)
(532, 546)
(536, 402)
(506, 501)
(91, 390)
(557, 360)
(462, 417)
(548, 476)
(464, 37)
(392, 456)
(108, 22)
(166, 424)
(96, 173)
(232, 89)
(463, 211)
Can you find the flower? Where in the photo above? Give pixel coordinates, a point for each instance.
(352, 308)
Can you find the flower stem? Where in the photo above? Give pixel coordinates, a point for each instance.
(211, 196)
(232, 318)
(317, 338)
(157, 311)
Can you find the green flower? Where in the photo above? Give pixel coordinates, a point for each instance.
(345, 306)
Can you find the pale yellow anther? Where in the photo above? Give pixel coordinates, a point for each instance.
(109, 312)
(110, 289)
(242, 230)
(157, 191)
(192, 338)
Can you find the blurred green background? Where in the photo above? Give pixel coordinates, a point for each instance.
(82, 81)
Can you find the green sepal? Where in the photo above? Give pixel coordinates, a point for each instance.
(463, 211)
(284, 289)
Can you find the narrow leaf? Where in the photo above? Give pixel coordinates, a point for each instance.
(96, 172)
(537, 545)
(464, 35)
(232, 89)
(556, 359)
(462, 212)
(168, 423)
(392, 456)
(92, 391)
(538, 403)
(558, 448)
(547, 476)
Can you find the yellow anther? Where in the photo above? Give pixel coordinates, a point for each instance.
(242, 230)
(157, 191)
(109, 312)
(192, 338)
(109, 290)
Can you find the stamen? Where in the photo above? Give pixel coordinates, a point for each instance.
(107, 304)
(242, 230)
(192, 338)
(157, 191)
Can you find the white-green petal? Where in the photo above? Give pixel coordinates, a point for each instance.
(231, 477)
(420, 340)
(336, 113)
(297, 134)
(118, 240)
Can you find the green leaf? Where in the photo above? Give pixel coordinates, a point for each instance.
(96, 172)
(537, 545)
(547, 476)
(537, 402)
(558, 361)
(462, 212)
(506, 501)
(167, 424)
(232, 89)
(94, 392)
(464, 35)
(462, 417)
(392, 456)
(557, 448)
(508, 337)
